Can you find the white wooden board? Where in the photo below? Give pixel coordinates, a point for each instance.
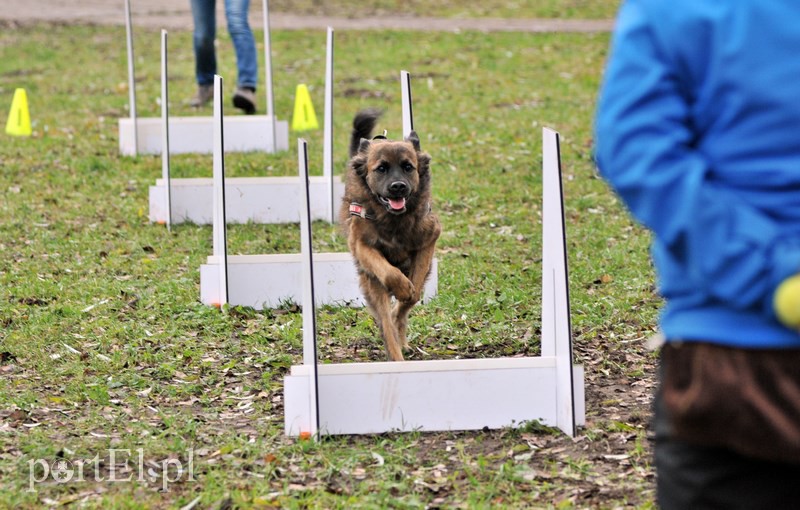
(248, 199)
(555, 287)
(309, 310)
(220, 235)
(243, 133)
(441, 395)
(165, 169)
(268, 281)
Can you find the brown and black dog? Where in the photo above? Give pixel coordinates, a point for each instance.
(391, 231)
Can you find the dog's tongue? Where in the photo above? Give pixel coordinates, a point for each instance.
(397, 203)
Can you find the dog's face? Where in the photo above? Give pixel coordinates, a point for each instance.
(391, 170)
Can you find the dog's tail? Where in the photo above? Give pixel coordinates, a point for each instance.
(363, 124)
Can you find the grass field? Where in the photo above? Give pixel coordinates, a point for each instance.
(104, 344)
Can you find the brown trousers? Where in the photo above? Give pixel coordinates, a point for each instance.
(747, 401)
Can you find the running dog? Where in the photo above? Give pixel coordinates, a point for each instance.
(390, 227)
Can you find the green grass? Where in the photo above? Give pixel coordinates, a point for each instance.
(104, 343)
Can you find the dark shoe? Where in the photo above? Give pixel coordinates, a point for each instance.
(205, 93)
(245, 99)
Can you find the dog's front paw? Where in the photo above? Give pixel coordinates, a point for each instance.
(401, 287)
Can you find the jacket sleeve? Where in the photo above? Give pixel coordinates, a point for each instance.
(644, 148)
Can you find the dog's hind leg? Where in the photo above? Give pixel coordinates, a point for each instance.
(380, 305)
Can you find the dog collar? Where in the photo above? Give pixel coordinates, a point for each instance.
(360, 211)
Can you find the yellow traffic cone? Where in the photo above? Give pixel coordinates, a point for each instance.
(19, 119)
(304, 118)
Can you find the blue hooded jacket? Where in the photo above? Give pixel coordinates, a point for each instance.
(698, 131)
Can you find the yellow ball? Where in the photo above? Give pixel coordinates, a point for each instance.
(787, 302)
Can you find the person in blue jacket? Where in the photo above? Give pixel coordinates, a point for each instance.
(698, 131)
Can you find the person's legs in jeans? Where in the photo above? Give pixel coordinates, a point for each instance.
(243, 42)
(245, 46)
(205, 23)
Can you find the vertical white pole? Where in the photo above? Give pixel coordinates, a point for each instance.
(309, 311)
(165, 175)
(556, 326)
(327, 159)
(408, 115)
(268, 77)
(220, 234)
(131, 77)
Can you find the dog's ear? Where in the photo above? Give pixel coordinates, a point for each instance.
(359, 159)
(414, 139)
(359, 163)
(423, 163)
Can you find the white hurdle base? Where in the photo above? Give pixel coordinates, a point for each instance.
(247, 199)
(243, 133)
(269, 281)
(439, 395)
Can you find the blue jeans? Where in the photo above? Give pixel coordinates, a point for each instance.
(205, 31)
